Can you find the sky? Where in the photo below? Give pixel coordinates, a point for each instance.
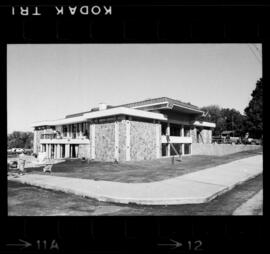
(49, 81)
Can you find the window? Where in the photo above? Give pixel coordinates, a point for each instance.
(83, 124)
(175, 130)
(65, 130)
(163, 128)
(164, 149)
(73, 130)
(52, 151)
(187, 148)
(178, 148)
(199, 135)
(187, 131)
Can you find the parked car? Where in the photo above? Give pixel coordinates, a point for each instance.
(16, 150)
(28, 151)
(252, 141)
(229, 137)
(12, 164)
(217, 140)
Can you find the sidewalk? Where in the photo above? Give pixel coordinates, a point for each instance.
(198, 187)
(252, 207)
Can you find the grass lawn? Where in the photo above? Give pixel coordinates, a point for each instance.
(140, 171)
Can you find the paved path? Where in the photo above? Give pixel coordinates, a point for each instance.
(199, 187)
(252, 207)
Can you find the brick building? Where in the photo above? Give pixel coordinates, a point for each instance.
(141, 130)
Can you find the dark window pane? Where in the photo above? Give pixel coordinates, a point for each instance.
(187, 148)
(177, 147)
(175, 130)
(164, 149)
(187, 131)
(163, 128)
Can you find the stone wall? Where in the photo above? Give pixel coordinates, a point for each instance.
(220, 149)
(193, 134)
(37, 141)
(158, 140)
(105, 141)
(122, 140)
(84, 151)
(142, 140)
(205, 137)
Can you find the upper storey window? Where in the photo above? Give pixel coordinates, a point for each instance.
(64, 130)
(175, 130)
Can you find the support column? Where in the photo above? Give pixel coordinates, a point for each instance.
(61, 151)
(35, 142)
(76, 151)
(182, 135)
(58, 151)
(69, 131)
(93, 142)
(128, 139)
(168, 132)
(182, 131)
(67, 151)
(116, 140)
(158, 140)
(183, 149)
(54, 151)
(80, 129)
(49, 151)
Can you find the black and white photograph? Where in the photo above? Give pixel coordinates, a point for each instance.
(135, 129)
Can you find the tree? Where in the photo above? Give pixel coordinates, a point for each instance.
(234, 121)
(20, 139)
(225, 119)
(213, 114)
(254, 112)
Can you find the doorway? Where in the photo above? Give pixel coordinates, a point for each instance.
(63, 151)
(74, 151)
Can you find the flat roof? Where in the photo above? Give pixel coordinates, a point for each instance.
(125, 111)
(163, 100)
(104, 113)
(132, 109)
(78, 119)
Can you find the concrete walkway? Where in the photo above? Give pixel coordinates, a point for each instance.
(252, 207)
(198, 187)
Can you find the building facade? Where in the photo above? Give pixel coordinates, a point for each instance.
(142, 130)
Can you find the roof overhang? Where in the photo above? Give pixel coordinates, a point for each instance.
(78, 119)
(125, 111)
(104, 113)
(204, 124)
(173, 107)
(186, 110)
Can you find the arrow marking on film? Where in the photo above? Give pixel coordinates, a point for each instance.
(174, 244)
(23, 244)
